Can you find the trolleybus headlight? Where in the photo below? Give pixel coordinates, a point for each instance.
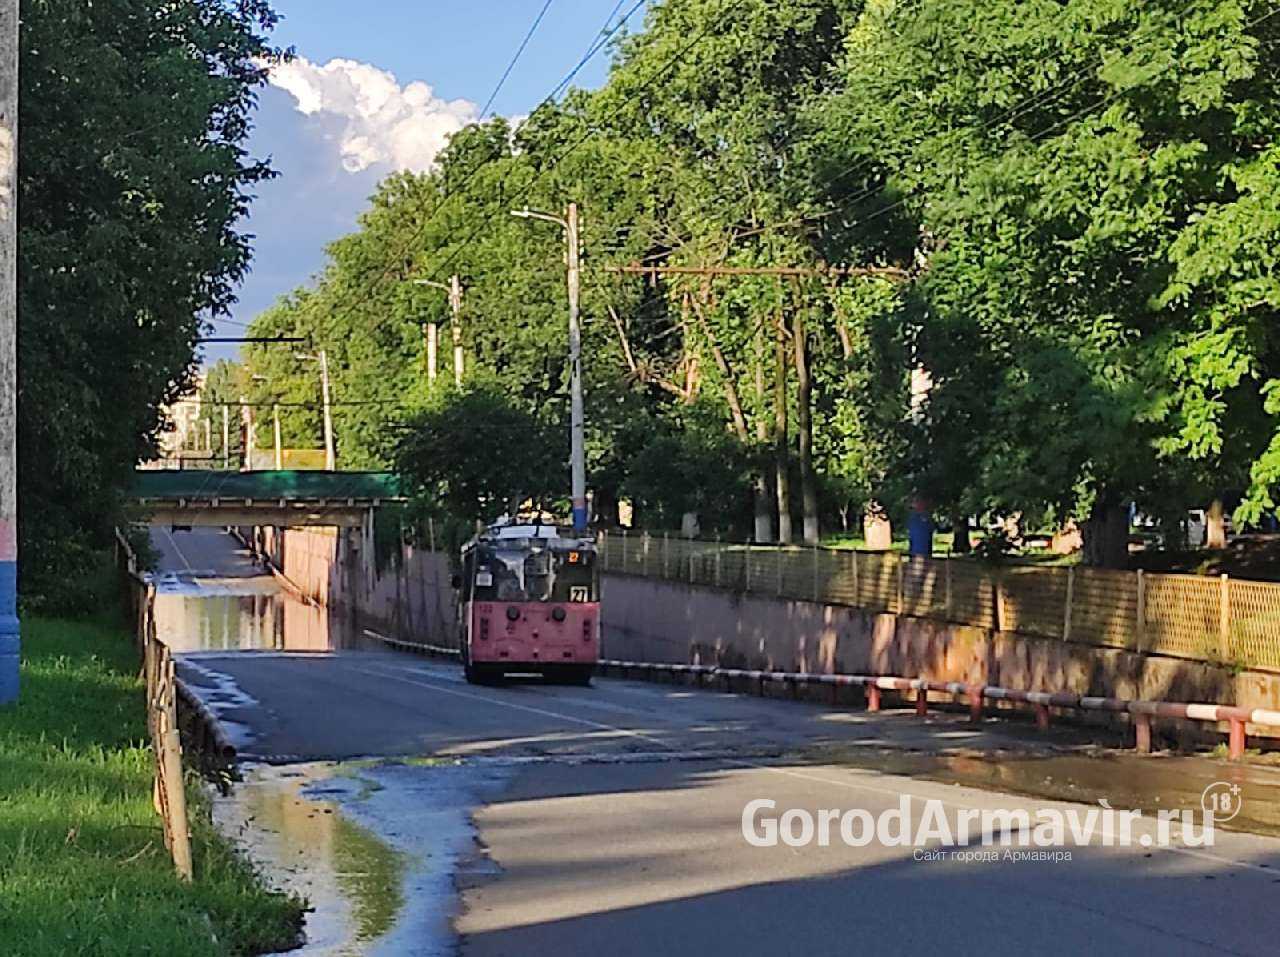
(557, 614)
(513, 613)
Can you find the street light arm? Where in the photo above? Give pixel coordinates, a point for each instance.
(538, 214)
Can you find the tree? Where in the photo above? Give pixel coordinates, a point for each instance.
(1071, 317)
(474, 455)
(133, 177)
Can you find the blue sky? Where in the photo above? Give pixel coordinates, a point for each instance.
(378, 86)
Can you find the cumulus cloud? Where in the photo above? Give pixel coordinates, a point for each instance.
(369, 116)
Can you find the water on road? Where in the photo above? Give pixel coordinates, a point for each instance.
(421, 815)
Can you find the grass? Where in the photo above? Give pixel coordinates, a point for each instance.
(83, 869)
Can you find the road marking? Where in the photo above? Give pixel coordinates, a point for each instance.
(788, 772)
(174, 542)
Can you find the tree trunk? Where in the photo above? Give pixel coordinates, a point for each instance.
(605, 506)
(1106, 533)
(780, 458)
(804, 426)
(962, 544)
(763, 512)
(1215, 527)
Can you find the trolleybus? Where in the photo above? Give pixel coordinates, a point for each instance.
(529, 602)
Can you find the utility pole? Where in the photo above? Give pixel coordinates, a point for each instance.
(246, 451)
(9, 632)
(330, 455)
(455, 309)
(433, 347)
(226, 437)
(454, 289)
(577, 419)
(577, 423)
(275, 424)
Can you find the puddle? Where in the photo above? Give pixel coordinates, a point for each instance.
(305, 845)
(1126, 781)
(245, 615)
(372, 845)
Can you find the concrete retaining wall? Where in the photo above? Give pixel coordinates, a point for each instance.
(410, 599)
(649, 620)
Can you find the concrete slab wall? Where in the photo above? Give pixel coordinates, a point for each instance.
(411, 599)
(645, 619)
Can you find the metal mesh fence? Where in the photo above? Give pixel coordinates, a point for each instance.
(1186, 616)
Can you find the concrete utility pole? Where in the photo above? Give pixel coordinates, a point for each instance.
(455, 309)
(330, 454)
(247, 447)
(577, 418)
(275, 425)
(433, 348)
(454, 289)
(9, 639)
(322, 357)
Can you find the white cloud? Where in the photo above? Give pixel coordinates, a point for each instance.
(371, 118)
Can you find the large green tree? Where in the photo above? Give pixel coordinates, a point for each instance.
(1069, 175)
(133, 177)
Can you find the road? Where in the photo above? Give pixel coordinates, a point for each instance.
(202, 553)
(609, 820)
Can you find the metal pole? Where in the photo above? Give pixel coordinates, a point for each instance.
(577, 463)
(455, 308)
(433, 348)
(330, 458)
(247, 447)
(9, 637)
(275, 424)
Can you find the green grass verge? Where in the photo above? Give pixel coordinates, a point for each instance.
(83, 869)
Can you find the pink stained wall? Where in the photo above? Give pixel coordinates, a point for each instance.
(651, 620)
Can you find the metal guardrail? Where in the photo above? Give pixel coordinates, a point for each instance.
(163, 691)
(1218, 620)
(1141, 711)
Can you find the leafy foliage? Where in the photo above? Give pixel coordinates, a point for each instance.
(1079, 196)
(133, 176)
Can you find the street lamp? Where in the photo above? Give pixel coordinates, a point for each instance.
(454, 289)
(330, 459)
(577, 455)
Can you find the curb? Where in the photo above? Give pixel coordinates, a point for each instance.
(1141, 711)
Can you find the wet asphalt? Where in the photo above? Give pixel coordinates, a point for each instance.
(608, 820)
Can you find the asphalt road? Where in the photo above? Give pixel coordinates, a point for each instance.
(610, 821)
(618, 827)
(202, 553)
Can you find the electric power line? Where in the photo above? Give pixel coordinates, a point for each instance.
(636, 94)
(516, 58)
(476, 170)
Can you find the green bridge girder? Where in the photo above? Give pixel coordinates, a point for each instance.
(286, 497)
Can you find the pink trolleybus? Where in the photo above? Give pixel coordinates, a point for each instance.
(529, 602)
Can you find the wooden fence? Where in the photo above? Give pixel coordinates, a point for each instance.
(1213, 619)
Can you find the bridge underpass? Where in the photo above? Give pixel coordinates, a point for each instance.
(219, 499)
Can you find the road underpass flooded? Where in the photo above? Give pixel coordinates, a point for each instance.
(371, 845)
(417, 813)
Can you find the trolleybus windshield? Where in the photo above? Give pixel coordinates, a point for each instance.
(519, 574)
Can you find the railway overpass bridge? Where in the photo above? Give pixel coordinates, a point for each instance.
(211, 498)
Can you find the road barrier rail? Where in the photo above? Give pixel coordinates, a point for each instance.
(1140, 712)
(163, 690)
